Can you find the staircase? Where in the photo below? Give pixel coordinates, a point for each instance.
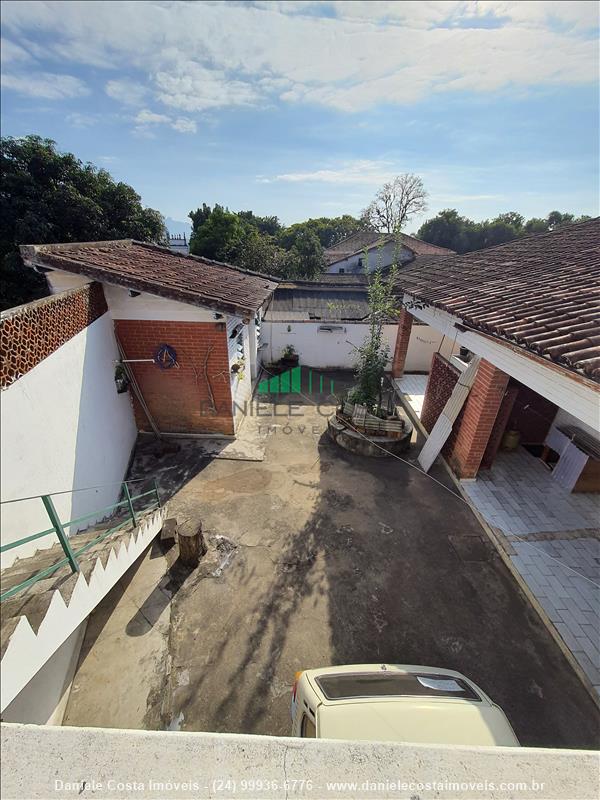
(40, 610)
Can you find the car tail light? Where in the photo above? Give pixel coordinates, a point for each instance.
(295, 684)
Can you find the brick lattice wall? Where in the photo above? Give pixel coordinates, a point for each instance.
(179, 398)
(402, 341)
(30, 333)
(442, 380)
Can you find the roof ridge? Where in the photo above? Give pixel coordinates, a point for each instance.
(203, 259)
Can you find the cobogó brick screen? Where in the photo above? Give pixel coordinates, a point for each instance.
(442, 379)
(32, 332)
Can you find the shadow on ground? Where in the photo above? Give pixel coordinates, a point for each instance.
(333, 559)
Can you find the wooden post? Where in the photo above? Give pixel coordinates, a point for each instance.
(191, 545)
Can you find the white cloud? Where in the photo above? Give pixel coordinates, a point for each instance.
(146, 119)
(79, 120)
(45, 84)
(200, 56)
(372, 173)
(130, 93)
(11, 52)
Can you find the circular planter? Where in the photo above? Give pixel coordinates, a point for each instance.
(367, 445)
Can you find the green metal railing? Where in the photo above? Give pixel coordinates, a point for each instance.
(58, 528)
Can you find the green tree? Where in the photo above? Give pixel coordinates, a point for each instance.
(47, 196)
(329, 230)
(308, 255)
(449, 229)
(374, 353)
(261, 253)
(220, 236)
(269, 226)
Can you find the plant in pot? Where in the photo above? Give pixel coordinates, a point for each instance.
(289, 357)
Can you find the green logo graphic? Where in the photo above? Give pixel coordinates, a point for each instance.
(290, 381)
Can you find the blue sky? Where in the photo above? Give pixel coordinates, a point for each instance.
(305, 108)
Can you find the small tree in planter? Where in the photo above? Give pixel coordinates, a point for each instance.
(373, 354)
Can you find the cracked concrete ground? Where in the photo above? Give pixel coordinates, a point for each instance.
(316, 557)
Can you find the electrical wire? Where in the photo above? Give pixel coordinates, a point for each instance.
(448, 489)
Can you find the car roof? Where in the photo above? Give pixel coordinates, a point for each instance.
(417, 720)
(414, 717)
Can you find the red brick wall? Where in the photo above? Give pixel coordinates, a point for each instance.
(32, 332)
(179, 398)
(500, 425)
(471, 432)
(402, 341)
(442, 379)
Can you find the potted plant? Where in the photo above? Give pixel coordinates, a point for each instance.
(289, 357)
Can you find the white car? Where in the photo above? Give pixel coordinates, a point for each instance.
(396, 702)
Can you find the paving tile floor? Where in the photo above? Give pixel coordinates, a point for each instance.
(413, 387)
(520, 496)
(553, 535)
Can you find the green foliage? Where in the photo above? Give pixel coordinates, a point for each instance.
(329, 230)
(373, 354)
(47, 196)
(220, 236)
(449, 229)
(262, 244)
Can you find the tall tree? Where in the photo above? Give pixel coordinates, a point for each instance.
(449, 229)
(396, 203)
(220, 236)
(47, 196)
(329, 230)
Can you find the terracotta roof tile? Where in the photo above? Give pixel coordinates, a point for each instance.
(158, 270)
(367, 239)
(541, 292)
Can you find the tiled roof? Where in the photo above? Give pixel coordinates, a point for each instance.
(541, 292)
(367, 239)
(351, 244)
(325, 303)
(157, 270)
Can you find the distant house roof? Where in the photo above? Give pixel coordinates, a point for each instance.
(365, 240)
(157, 270)
(541, 292)
(319, 301)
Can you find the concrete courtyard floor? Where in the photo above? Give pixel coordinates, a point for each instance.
(316, 557)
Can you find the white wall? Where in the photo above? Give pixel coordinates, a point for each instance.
(150, 307)
(241, 388)
(377, 258)
(43, 701)
(318, 348)
(143, 306)
(424, 342)
(334, 350)
(64, 427)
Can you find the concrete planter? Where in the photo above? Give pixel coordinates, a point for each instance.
(365, 444)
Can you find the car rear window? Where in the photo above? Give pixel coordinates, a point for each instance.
(347, 685)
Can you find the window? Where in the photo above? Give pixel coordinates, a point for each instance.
(341, 271)
(393, 684)
(307, 728)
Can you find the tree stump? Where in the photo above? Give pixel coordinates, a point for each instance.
(169, 530)
(191, 545)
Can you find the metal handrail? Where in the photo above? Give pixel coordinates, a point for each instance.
(58, 528)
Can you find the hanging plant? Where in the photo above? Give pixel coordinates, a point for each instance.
(238, 368)
(121, 379)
